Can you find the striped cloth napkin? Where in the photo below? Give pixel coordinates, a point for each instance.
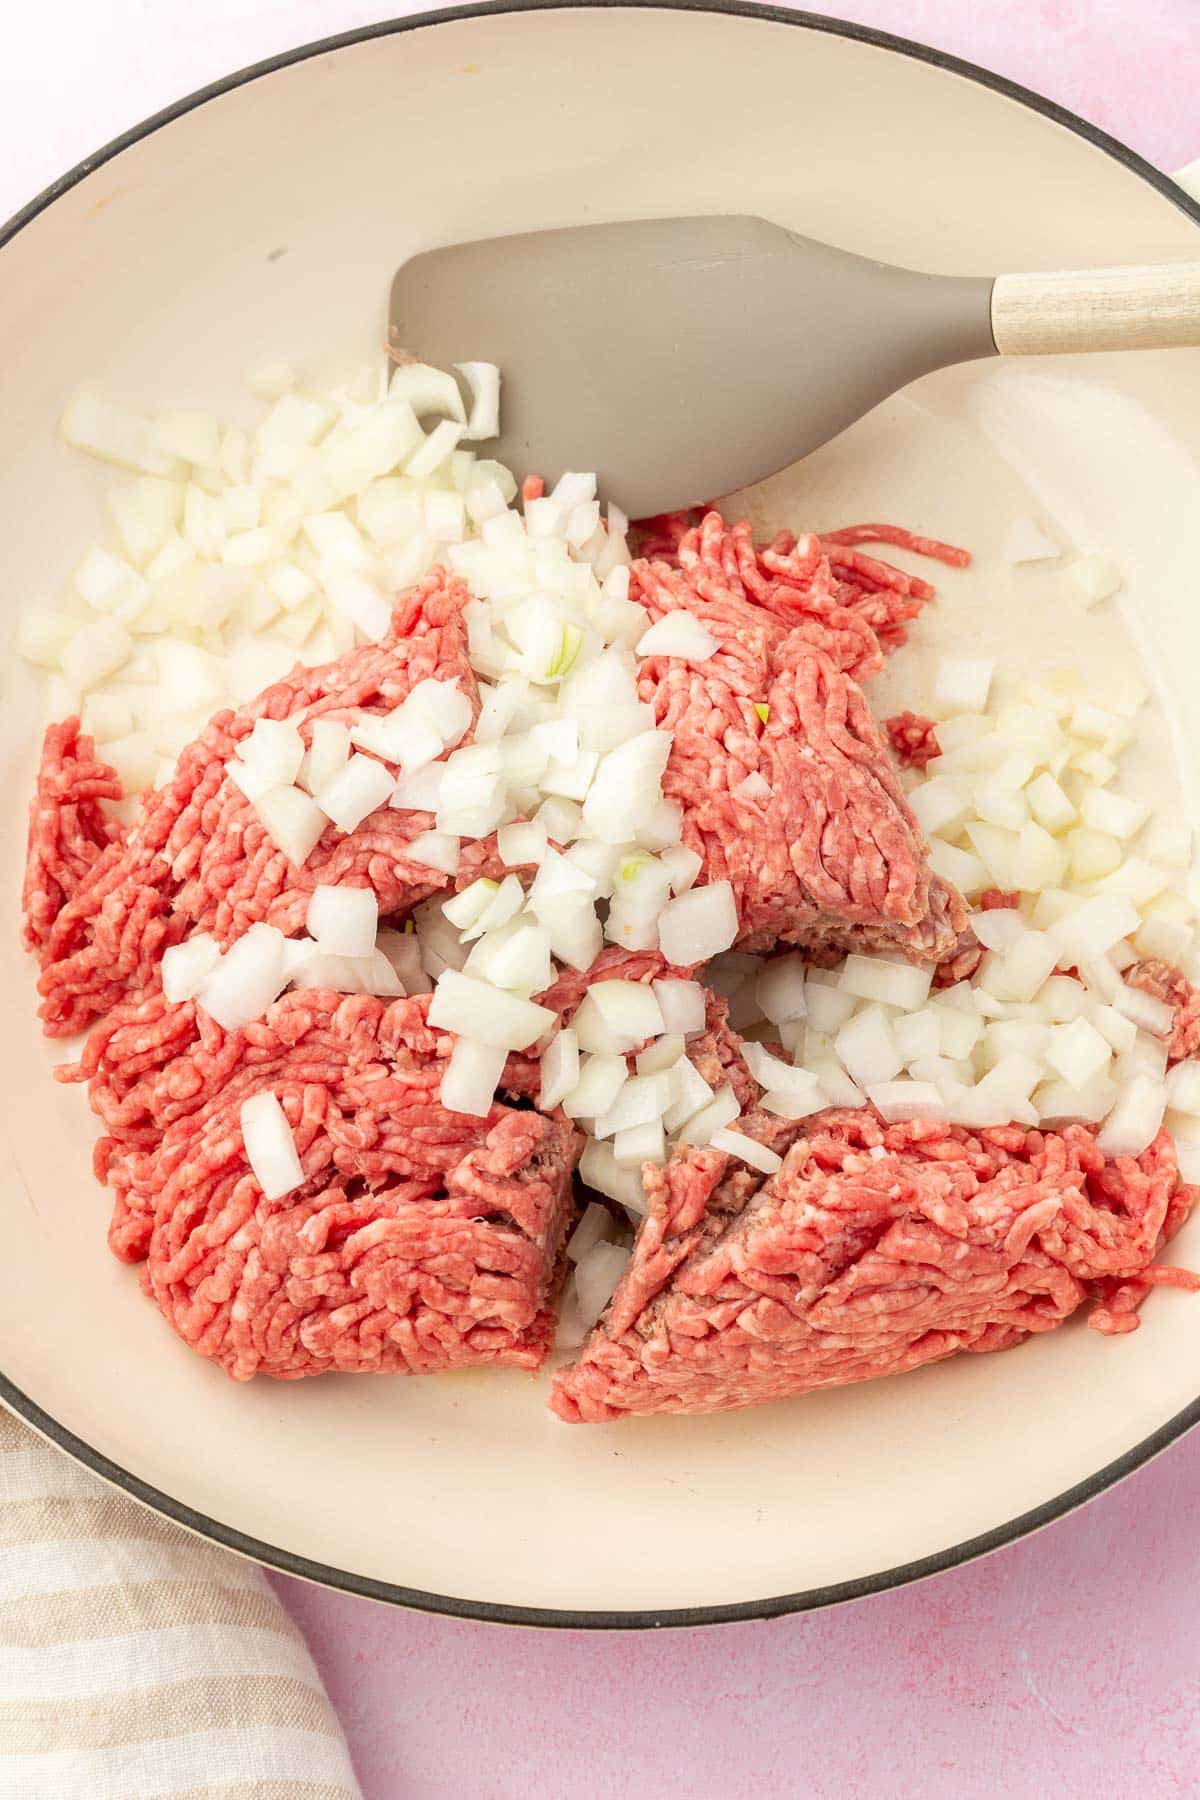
(139, 1661)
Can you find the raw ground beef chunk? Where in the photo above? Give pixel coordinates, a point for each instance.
(873, 1250)
(913, 739)
(151, 1065)
(198, 858)
(69, 832)
(421, 1239)
(827, 853)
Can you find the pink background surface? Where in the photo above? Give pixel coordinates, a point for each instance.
(1068, 1664)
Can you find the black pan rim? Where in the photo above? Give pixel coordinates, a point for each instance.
(573, 1619)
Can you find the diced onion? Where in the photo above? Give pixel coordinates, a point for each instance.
(343, 920)
(595, 1225)
(275, 749)
(867, 1045)
(720, 1111)
(638, 1144)
(895, 984)
(678, 634)
(596, 1277)
(186, 966)
(682, 1006)
(247, 979)
(900, 1100)
(560, 1069)
(483, 379)
(270, 1145)
(1136, 1118)
(472, 1077)
(291, 820)
(355, 792)
(476, 1009)
(439, 850)
(601, 1078)
(698, 924)
(746, 1149)
(962, 683)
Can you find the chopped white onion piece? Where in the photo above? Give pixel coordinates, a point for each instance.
(599, 1169)
(746, 1149)
(1018, 973)
(355, 792)
(780, 988)
(343, 920)
(638, 1144)
(275, 749)
(1114, 814)
(1078, 1052)
(682, 1006)
(896, 1101)
(596, 1277)
(467, 907)
(867, 1045)
(108, 431)
(678, 634)
(720, 1111)
(521, 844)
(698, 924)
(247, 979)
(1092, 929)
(427, 390)
(828, 1007)
(601, 1078)
(1136, 1118)
(292, 821)
(186, 967)
(483, 379)
(358, 599)
(689, 1092)
(270, 1145)
(1146, 1012)
(617, 1016)
(476, 1009)
(1058, 1103)
(918, 1034)
(594, 1227)
(962, 683)
(560, 1069)
(439, 850)
(1169, 841)
(472, 1077)
(895, 984)
(1183, 1087)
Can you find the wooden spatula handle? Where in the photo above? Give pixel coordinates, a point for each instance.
(1154, 306)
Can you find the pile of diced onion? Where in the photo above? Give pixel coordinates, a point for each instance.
(235, 552)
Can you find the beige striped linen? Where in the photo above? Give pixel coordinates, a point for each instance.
(140, 1663)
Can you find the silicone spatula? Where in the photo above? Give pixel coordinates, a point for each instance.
(683, 358)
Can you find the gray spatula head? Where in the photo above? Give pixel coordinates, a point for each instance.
(679, 358)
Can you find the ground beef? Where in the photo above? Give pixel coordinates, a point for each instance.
(1167, 983)
(150, 1065)
(421, 1239)
(832, 855)
(197, 859)
(873, 1250)
(881, 596)
(69, 831)
(913, 739)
